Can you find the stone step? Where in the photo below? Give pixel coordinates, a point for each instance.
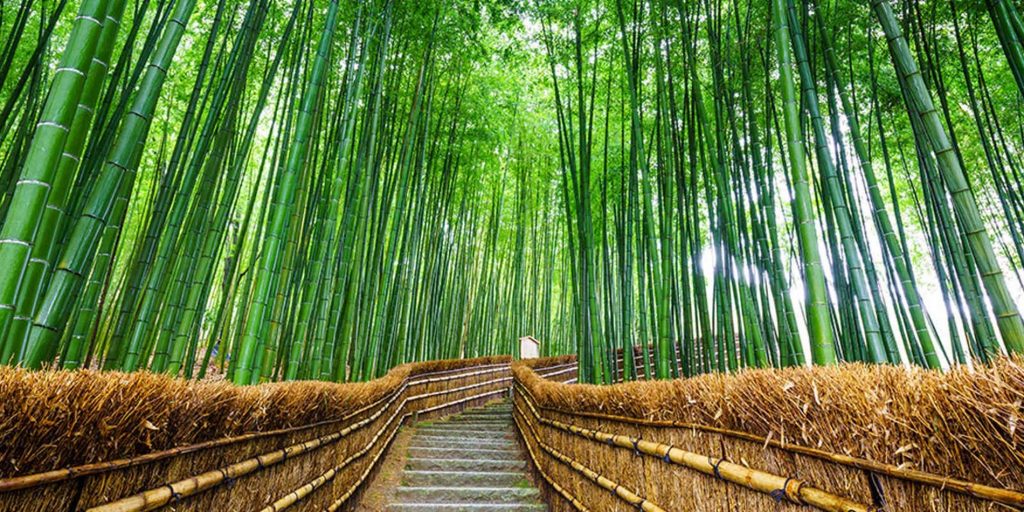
(507, 422)
(485, 413)
(503, 418)
(476, 425)
(466, 452)
(464, 464)
(426, 441)
(464, 479)
(481, 415)
(512, 495)
(475, 433)
(473, 425)
(467, 507)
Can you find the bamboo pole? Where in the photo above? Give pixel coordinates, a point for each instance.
(623, 493)
(554, 485)
(792, 489)
(160, 496)
(54, 476)
(325, 477)
(985, 492)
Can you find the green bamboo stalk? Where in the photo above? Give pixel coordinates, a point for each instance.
(255, 327)
(964, 203)
(25, 212)
(818, 315)
(117, 175)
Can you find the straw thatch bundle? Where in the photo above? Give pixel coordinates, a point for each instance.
(59, 419)
(961, 424)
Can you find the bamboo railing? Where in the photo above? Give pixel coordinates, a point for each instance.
(739, 468)
(297, 465)
(588, 459)
(777, 487)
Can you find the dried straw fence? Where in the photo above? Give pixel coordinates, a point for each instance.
(846, 438)
(74, 441)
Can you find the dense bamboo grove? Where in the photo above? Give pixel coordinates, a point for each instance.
(323, 190)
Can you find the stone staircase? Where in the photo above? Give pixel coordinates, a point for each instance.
(468, 462)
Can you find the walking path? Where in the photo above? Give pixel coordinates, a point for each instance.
(468, 462)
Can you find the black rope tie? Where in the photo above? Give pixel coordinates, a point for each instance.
(666, 458)
(714, 466)
(877, 492)
(229, 480)
(175, 496)
(636, 446)
(780, 494)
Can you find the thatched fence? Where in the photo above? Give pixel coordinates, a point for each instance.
(74, 441)
(845, 438)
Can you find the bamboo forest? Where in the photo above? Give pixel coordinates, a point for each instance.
(324, 190)
(410, 255)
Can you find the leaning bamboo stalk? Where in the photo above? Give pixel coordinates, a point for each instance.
(794, 490)
(623, 493)
(973, 489)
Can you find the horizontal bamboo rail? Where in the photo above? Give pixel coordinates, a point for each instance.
(369, 468)
(976, 490)
(623, 493)
(365, 474)
(58, 475)
(307, 489)
(160, 496)
(794, 490)
(488, 368)
(557, 372)
(462, 388)
(554, 485)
